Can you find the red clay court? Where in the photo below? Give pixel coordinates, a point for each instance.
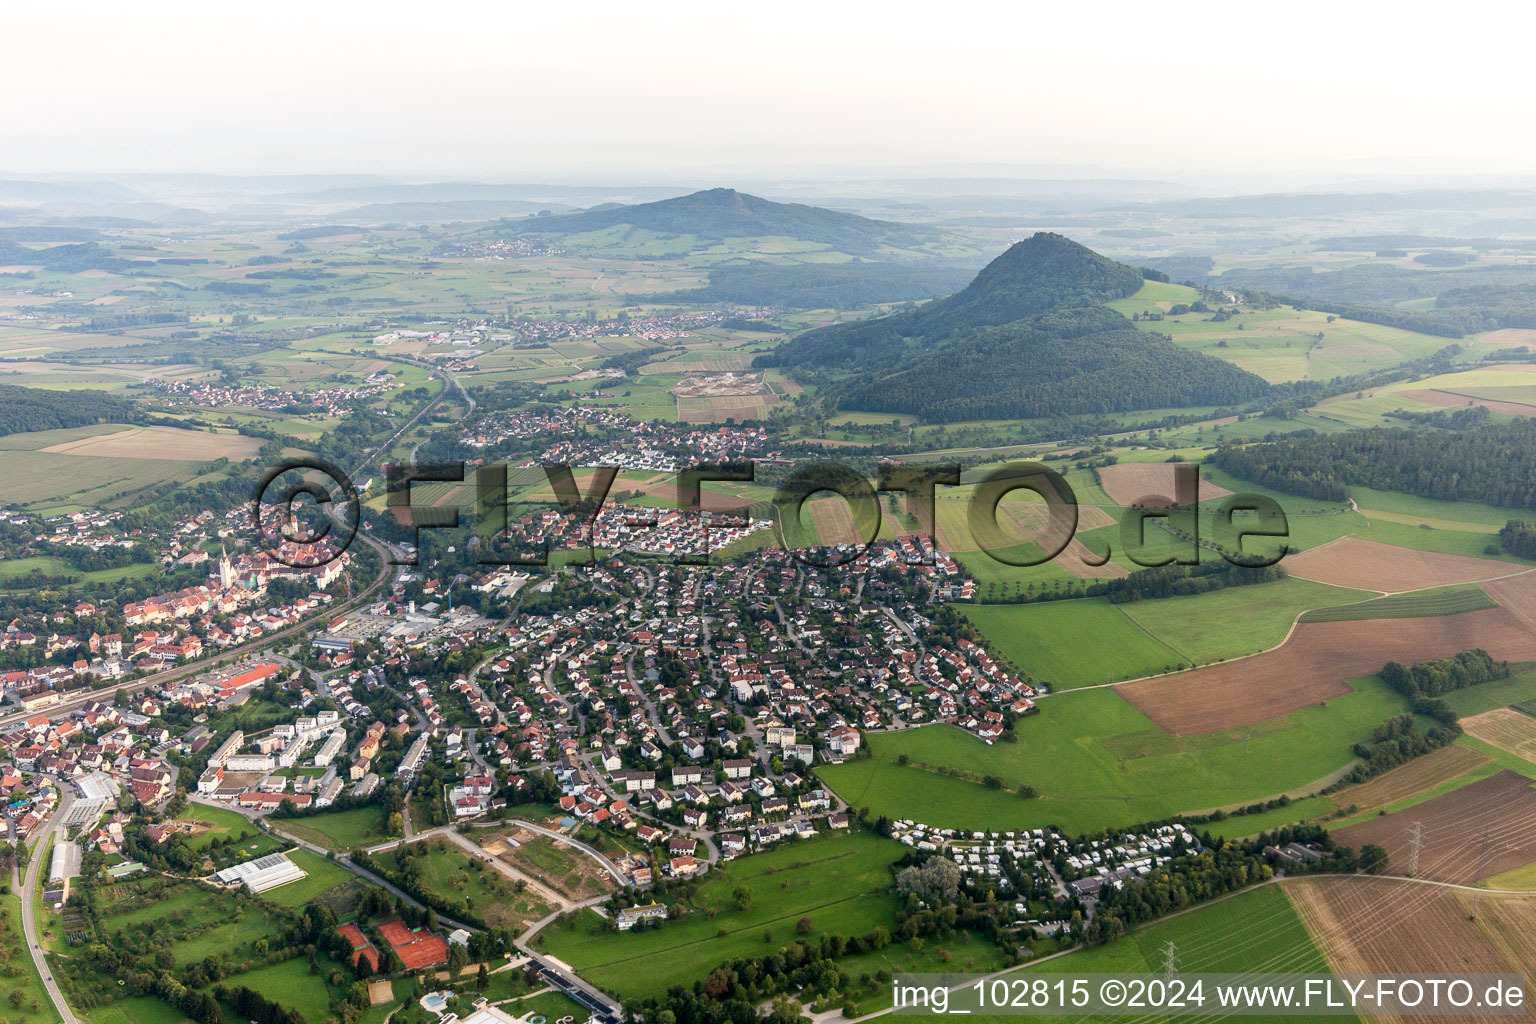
(361, 947)
(415, 947)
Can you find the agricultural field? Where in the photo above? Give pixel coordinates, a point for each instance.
(1257, 929)
(51, 471)
(1314, 666)
(1433, 770)
(1504, 389)
(1232, 622)
(843, 884)
(1365, 924)
(1506, 729)
(1097, 762)
(1416, 605)
(1370, 565)
(1500, 809)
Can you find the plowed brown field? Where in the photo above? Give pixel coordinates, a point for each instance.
(1368, 925)
(1416, 776)
(1501, 808)
(1128, 482)
(1314, 665)
(1372, 565)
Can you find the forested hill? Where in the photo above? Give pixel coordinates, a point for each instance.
(720, 213)
(1495, 464)
(26, 409)
(1030, 337)
(1042, 273)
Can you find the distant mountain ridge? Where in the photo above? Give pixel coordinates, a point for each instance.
(1030, 337)
(720, 213)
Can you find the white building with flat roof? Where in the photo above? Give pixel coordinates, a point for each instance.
(263, 873)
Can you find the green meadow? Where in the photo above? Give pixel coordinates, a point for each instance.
(842, 883)
(1096, 762)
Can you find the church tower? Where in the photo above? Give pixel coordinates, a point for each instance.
(226, 570)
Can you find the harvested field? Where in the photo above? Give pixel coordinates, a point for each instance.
(1506, 729)
(1372, 565)
(1128, 482)
(1417, 775)
(834, 521)
(725, 385)
(1078, 560)
(1382, 925)
(711, 501)
(1315, 664)
(1031, 519)
(717, 410)
(1449, 399)
(161, 443)
(1517, 594)
(1509, 337)
(1502, 808)
(719, 362)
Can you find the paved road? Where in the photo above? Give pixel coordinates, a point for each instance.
(54, 827)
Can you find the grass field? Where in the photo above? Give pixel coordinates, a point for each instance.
(36, 1007)
(842, 883)
(1233, 622)
(290, 984)
(134, 1010)
(323, 876)
(552, 1005)
(1097, 762)
(1072, 643)
(339, 830)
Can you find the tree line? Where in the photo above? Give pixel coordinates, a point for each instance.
(1490, 464)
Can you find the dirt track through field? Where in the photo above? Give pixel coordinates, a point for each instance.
(1372, 565)
(1314, 665)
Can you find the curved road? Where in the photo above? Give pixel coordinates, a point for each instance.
(54, 828)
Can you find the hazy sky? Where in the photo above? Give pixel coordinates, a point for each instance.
(663, 90)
